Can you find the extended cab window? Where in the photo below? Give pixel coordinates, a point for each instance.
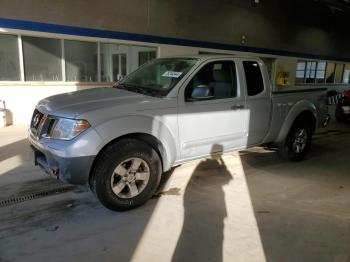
(219, 77)
(254, 79)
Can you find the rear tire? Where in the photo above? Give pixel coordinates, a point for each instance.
(298, 142)
(127, 174)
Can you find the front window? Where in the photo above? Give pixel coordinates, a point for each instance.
(158, 77)
(220, 77)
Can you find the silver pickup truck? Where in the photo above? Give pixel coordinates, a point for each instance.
(172, 110)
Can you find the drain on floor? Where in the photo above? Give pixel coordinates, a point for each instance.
(39, 194)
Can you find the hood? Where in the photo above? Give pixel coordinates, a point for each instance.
(73, 104)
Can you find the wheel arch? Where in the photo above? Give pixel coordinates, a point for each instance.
(303, 111)
(149, 139)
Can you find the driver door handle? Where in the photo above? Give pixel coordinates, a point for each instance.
(237, 107)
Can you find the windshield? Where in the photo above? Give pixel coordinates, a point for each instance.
(158, 77)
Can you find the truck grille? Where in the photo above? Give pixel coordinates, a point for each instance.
(41, 124)
(36, 119)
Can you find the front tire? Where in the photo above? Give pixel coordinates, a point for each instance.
(298, 142)
(127, 174)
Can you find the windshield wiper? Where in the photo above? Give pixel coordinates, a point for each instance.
(119, 86)
(137, 89)
(133, 88)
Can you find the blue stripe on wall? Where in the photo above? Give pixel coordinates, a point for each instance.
(80, 31)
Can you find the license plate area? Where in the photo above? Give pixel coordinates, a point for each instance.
(36, 154)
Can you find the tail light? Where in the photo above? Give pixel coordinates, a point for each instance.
(347, 93)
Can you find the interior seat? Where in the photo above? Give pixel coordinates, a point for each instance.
(221, 85)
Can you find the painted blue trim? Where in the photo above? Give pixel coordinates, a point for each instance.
(80, 31)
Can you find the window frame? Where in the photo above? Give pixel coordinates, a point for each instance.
(25, 69)
(211, 100)
(64, 72)
(346, 68)
(342, 65)
(333, 72)
(19, 57)
(258, 95)
(324, 82)
(316, 70)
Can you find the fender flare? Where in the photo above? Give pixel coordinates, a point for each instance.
(128, 125)
(296, 110)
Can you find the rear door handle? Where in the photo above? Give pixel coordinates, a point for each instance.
(237, 107)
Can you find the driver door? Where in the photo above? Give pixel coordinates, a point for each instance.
(216, 123)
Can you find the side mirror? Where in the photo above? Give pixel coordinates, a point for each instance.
(201, 92)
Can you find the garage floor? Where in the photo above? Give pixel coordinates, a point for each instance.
(248, 206)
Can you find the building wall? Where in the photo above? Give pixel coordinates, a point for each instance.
(271, 25)
(296, 26)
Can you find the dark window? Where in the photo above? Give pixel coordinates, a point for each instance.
(81, 61)
(220, 77)
(9, 58)
(254, 79)
(42, 59)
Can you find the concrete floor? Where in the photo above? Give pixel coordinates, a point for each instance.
(249, 206)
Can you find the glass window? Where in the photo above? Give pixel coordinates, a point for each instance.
(300, 73)
(113, 62)
(330, 73)
(9, 58)
(81, 61)
(158, 77)
(339, 73)
(346, 75)
(220, 77)
(145, 56)
(42, 59)
(310, 72)
(321, 72)
(254, 79)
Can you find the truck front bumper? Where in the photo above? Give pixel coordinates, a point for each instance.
(68, 161)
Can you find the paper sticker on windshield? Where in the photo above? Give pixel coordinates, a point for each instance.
(172, 74)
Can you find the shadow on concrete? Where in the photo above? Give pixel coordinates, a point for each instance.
(302, 208)
(59, 215)
(17, 148)
(18, 175)
(202, 233)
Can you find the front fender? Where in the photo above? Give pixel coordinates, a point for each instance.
(294, 112)
(121, 126)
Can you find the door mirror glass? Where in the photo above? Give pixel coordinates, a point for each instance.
(201, 92)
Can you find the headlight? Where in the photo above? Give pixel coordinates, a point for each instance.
(67, 129)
